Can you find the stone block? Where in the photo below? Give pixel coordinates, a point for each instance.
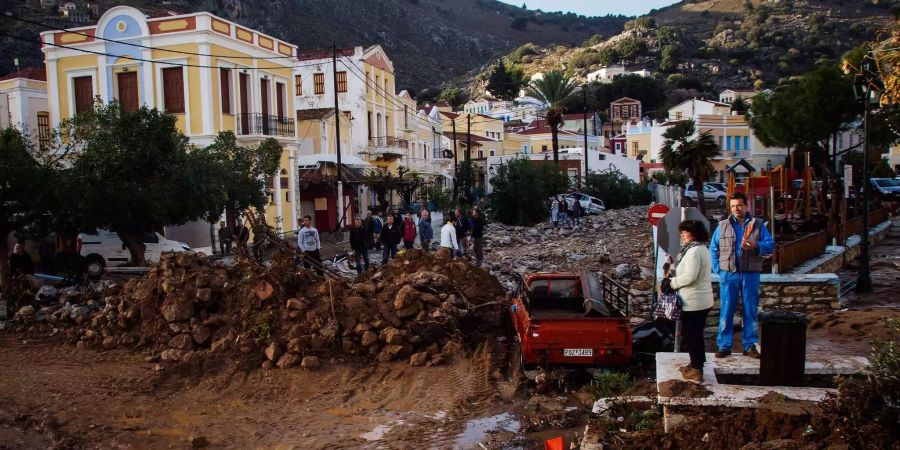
(794, 290)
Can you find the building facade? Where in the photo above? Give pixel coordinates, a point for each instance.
(23, 103)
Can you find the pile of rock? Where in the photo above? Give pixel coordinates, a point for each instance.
(617, 243)
(419, 308)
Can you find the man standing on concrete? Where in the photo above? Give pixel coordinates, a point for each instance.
(308, 241)
(736, 249)
(225, 238)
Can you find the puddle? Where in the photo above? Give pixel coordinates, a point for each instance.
(476, 429)
(378, 433)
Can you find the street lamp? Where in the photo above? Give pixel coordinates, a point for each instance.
(862, 88)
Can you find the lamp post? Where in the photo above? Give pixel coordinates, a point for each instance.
(863, 88)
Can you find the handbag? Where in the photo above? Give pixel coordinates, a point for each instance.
(669, 306)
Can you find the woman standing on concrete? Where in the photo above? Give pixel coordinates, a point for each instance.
(691, 279)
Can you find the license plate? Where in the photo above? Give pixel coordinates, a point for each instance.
(578, 352)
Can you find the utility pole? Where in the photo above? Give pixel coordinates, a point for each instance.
(337, 139)
(468, 155)
(584, 154)
(455, 163)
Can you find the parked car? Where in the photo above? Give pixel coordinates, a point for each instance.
(719, 186)
(591, 205)
(710, 193)
(887, 189)
(104, 248)
(570, 319)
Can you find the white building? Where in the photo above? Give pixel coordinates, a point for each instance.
(694, 107)
(598, 161)
(23, 103)
(606, 75)
(730, 96)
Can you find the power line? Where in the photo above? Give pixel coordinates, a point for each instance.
(134, 58)
(51, 27)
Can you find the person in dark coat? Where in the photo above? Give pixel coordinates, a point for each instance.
(478, 224)
(226, 237)
(390, 238)
(577, 212)
(369, 230)
(20, 263)
(426, 232)
(409, 232)
(359, 245)
(461, 224)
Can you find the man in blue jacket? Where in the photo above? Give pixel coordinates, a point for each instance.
(736, 249)
(426, 233)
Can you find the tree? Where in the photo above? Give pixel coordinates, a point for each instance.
(520, 191)
(615, 189)
(503, 82)
(882, 170)
(238, 174)
(519, 23)
(138, 173)
(23, 186)
(556, 90)
(454, 96)
(804, 115)
(692, 155)
(669, 58)
(739, 106)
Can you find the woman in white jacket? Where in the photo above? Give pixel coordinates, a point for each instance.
(448, 235)
(691, 278)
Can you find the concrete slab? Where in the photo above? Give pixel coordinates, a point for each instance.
(738, 396)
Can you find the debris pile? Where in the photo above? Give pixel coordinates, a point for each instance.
(616, 243)
(419, 308)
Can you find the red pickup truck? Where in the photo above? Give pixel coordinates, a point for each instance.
(571, 319)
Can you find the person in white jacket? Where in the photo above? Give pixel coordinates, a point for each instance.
(691, 279)
(448, 235)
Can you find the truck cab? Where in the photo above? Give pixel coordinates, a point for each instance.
(571, 319)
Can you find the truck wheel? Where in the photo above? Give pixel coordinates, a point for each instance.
(94, 266)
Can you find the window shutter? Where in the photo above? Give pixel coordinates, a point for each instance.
(342, 81)
(225, 82)
(84, 93)
(298, 85)
(173, 89)
(319, 83)
(279, 99)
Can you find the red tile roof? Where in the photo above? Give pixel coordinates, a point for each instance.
(574, 116)
(31, 73)
(461, 137)
(543, 130)
(449, 115)
(324, 53)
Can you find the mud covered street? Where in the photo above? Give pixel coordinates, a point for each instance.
(57, 396)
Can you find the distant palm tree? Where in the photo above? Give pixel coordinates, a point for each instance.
(556, 90)
(693, 155)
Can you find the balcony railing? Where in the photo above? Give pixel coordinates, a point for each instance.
(388, 145)
(264, 125)
(794, 253)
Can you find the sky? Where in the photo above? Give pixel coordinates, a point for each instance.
(594, 7)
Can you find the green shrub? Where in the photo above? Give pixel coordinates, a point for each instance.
(616, 190)
(521, 189)
(609, 384)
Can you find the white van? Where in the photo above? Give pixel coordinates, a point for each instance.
(106, 249)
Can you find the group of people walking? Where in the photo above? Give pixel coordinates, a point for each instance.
(564, 215)
(735, 253)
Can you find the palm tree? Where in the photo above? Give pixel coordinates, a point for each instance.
(693, 155)
(556, 90)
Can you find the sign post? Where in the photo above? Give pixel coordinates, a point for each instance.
(654, 215)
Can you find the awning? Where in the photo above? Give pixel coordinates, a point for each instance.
(315, 161)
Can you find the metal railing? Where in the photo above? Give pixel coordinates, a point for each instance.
(388, 141)
(264, 124)
(792, 254)
(616, 294)
(854, 225)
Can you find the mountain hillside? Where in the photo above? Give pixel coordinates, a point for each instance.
(430, 41)
(721, 43)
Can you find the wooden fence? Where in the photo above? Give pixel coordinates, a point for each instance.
(854, 225)
(792, 254)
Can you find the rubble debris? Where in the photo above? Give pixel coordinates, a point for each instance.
(419, 308)
(616, 243)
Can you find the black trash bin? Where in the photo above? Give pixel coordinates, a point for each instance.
(783, 339)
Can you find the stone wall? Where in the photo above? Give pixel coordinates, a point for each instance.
(801, 293)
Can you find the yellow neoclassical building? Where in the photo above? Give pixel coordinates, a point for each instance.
(212, 74)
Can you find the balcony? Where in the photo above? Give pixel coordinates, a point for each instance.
(257, 124)
(388, 146)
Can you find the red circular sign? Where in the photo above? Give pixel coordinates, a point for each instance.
(656, 213)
